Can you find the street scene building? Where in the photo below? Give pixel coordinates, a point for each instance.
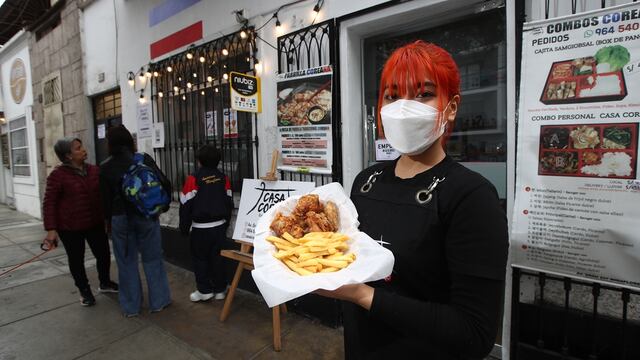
(289, 93)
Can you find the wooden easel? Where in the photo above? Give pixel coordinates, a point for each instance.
(244, 257)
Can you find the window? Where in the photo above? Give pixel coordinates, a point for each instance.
(19, 147)
(107, 106)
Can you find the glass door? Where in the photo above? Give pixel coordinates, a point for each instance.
(478, 45)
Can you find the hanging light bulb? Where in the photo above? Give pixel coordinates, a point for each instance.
(195, 75)
(131, 79)
(217, 90)
(225, 76)
(202, 59)
(224, 66)
(225, 52)
(316, 9)
(156, 74)
(169, 69)
(148, 74)
(278, 24)
(176, 89)
(179, 78)
(202, 92)
(209, 78)
(142, 99)
(160, 94)
(189, 55)
(243, 34)
(184, 97)
(189, 85)
(141, 74)
(257, 65)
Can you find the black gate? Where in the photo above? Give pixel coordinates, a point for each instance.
(191, 98)
(306, 48)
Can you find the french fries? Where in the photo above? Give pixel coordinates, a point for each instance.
(315, 252)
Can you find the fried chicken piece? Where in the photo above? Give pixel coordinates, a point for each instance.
(291, 224)
(331, 210)
(318, 222)
(308, 203)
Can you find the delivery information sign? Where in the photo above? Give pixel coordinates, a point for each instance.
(576, 210)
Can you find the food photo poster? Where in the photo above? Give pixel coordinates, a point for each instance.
(577, 187)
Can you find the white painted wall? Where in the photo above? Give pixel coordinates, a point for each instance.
(98, 32)
(25, 188)
(131, 44)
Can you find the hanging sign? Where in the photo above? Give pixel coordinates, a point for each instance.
(577, 188)
(304, 120)
(258, 197)
(245, 92)
(230, 118)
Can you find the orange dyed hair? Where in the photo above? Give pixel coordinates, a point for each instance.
(409, 66)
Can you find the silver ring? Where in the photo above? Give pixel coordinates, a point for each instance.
(366, 187)
(424, 196)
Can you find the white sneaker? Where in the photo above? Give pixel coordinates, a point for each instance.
(220, 295)
(198, 296)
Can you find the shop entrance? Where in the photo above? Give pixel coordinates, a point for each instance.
(478, 45)
(107, 112)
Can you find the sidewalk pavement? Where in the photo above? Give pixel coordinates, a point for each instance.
(41, 317)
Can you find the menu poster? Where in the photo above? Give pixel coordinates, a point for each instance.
(304, 120)
(230, 125)
(577, 186)
(258, 197)
(144, 121)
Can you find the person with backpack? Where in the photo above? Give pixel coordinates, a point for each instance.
(72, 211)
(134, 193)
(205, 208)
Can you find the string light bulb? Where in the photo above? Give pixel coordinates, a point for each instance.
(195, 75)
(225, 76)
(209, 78)
(141, 74)
(156, 74)
(142, 99)
(169, 69)
(243, 34)
(189, 85)
(176, 89)
(225, 52)
(202, 59)
(160, 94)
(316, 8)
(148, 74)
(257, 65)
(189, 55)
(217, 90)
(131, 79)
(184, 97)
(202, 92)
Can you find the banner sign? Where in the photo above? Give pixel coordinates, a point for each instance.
(258, 196)
(245, 92)
(304, 120)
(577, 190)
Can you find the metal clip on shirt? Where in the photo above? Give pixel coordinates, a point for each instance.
(369, 184)
(425, 196)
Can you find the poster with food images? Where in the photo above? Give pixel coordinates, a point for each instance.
(577, 188)
(304, 120)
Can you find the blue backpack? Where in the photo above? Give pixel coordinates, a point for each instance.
(142, 186)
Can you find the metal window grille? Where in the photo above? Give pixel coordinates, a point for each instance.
(546, 330)
(51, 90)
(195, 89)
(314, 46)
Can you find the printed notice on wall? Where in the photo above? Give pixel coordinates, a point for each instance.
(258, 197)
(145, 125)
(577, 190)
(304, 120)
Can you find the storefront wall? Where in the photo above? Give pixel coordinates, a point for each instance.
(17, 110)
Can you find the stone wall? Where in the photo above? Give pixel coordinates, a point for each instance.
(61, 50)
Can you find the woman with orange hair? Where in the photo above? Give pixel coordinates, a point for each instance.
(442, 221)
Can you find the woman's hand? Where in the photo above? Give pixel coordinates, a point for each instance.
(51, 240)
(359, 294)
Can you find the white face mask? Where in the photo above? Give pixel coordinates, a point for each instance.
(409, 126)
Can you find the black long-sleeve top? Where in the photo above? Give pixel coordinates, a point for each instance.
(444, 297)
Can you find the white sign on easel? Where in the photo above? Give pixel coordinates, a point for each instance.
(258, 196)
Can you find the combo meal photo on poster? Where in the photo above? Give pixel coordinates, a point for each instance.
(588, 79)
(305, 101)
(589, 150)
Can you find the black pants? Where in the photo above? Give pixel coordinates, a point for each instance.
(207, 262)
(73, 242)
